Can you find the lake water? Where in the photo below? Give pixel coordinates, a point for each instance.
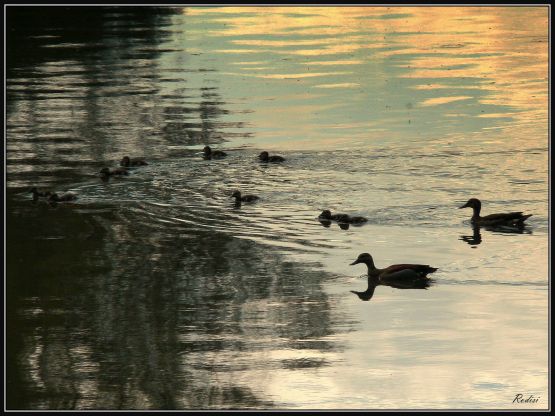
(154, 291)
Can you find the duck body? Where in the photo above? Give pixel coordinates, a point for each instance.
(213, 154)
(395, 274)
(509, 218)
(244, 198)
(265, 157)
(105, 172)
(127, 162)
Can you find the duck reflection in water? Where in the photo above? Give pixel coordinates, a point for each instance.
(399, 276)
(476, 237)
(373, 282)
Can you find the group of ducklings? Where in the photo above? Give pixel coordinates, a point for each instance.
(403, 276)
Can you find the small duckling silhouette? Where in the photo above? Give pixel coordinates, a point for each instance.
(213, 154)
(265, 157)
(341, 218)
(244, 198)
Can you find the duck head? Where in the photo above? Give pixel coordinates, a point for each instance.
(325, 215)
(104, 171)
(207, 150)
(236, 194)
(264, 156)
(472, 203)
(125, 161)
(363, 258)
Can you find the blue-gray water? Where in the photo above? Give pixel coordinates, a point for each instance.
(154, 291)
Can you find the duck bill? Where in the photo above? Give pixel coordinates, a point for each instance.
(465, 206)
(354, 262)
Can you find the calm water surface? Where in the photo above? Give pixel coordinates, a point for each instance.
(154, 291)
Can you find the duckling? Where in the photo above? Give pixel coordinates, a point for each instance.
(265, 157)
(246, 198)
(213, 154)
(510, 218)
(105, 172)
(68, 196)
(127, 161)
(327, 215)
(341, 218)
(396, 272)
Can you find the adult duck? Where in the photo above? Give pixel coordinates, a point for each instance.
(509, 218)
(213, 154)
(397, 273)
(127, 162)
(244, 198)
(265, 157)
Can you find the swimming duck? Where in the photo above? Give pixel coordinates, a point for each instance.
(397, 273)
(510, 218)
(68, 196)
(105, 172)
(127, 161)
(265, 157)
(215, 154)
(245, 198)
(36, 193)
(341, 218)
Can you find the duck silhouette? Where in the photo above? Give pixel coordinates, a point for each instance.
(510, 218)
(243, 198)
(213, 154)
(326, 215)
(265, 157)
(398, 273)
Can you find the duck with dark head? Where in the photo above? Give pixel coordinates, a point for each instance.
(397, 272)
(515, 219)
(209, 154)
